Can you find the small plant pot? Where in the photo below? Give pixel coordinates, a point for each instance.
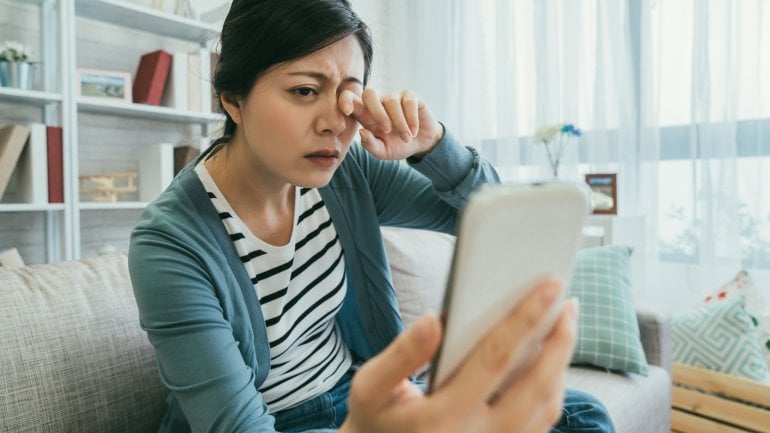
(5, 71)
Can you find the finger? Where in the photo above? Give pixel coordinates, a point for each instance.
(486, 368)
(542, 385)
(372, 144)
(373, 105)
(392, 104)
(347, 102)
(410, 104)
(408, 352)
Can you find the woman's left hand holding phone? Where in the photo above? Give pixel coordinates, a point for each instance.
(394, 126)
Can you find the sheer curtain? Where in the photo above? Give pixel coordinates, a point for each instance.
(707, 68)
(670, 95)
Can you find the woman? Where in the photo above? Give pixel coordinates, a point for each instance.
(260, 275)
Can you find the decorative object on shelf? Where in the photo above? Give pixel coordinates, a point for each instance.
(104, 85)
(156, 170)
(106, 187)
(10, 258)
(16, 68)
(151, 75)
(32, 178)
(554, 138)
(184, 9)
(604, 192)
(184, 155)
(54, 136)
(183, 84)
(13, 138)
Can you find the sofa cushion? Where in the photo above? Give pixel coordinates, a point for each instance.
(73, 355)
(636, 404)
(743, 284)
(608, 331)
(419, 262)
(720, 336)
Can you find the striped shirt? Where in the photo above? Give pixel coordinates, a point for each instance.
(300, 287)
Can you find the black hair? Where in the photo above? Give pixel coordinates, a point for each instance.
(258, 34)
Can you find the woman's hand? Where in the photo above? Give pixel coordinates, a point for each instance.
(382, 400)
(394, 126)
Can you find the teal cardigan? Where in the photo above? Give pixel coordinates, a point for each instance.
(199, 307)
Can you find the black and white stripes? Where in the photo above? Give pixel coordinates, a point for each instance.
(301, 287)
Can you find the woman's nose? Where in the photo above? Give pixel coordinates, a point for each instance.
(331, 120)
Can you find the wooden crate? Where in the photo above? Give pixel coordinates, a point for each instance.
(721, 403)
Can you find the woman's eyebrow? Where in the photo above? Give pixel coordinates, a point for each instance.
(320, 76)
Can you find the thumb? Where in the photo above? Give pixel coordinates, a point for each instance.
(408, 352)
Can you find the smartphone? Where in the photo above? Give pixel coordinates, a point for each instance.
(509, 238)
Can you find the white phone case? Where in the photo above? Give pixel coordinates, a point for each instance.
(509, 238)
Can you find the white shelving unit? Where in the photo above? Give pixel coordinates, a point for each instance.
(145, 111)
(60, 40)
(31, 97)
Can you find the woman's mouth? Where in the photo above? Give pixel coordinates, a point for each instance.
(324, 158)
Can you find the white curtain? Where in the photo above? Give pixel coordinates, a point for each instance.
(673, 96)
(707, 68)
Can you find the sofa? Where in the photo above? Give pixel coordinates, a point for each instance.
(73, 358)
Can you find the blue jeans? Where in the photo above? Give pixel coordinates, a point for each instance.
(582, 413)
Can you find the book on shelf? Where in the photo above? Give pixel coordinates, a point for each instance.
(13, 137)
(151, 76)
(55, 164)
(10, 258)
(183, 155)
(156, 170)
(186, 88)
(32, 186)
(212, 93)
(175, 92)
(194, 79)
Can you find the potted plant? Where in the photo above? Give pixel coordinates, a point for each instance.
(15, 65)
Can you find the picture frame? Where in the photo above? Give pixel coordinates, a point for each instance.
(102, 85)
(604, 192)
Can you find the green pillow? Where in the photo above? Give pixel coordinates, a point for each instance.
(608, 331)
(720, 336)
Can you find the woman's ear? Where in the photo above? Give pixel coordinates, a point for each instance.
(233, 106)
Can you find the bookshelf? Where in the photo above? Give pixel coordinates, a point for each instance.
(98, 136)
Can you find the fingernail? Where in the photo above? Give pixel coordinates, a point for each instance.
(550, 292)
(405, 136)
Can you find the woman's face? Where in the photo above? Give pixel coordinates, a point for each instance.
(290, 127)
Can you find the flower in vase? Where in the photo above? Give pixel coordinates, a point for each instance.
(554, 138)
(12, 51)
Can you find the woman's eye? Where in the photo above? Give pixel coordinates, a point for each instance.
(304, 91)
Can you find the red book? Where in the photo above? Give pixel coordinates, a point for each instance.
(55, 165)
(151, 75)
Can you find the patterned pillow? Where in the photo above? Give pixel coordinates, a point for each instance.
(742, 284)
(608, 331)
(720, 336)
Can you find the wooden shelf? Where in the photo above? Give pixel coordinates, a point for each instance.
(144, 111)
(146, 19)
(29, 97)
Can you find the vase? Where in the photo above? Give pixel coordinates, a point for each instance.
(23, 80)
(5, 79)
(19, 75)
